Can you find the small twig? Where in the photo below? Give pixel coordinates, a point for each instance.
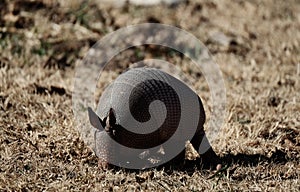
(164, 186)
(218, 171)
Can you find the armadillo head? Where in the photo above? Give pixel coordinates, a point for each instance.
(105, 128)
(108, 124)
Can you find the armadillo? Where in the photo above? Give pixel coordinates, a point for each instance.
(144, 111)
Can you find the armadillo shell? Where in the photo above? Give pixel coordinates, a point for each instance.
(150, 106)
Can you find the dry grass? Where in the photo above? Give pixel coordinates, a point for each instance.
(40, 42)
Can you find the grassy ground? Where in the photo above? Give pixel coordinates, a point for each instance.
(41, 40)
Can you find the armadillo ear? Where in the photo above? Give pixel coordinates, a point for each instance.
(95, 120)
(111, 118)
